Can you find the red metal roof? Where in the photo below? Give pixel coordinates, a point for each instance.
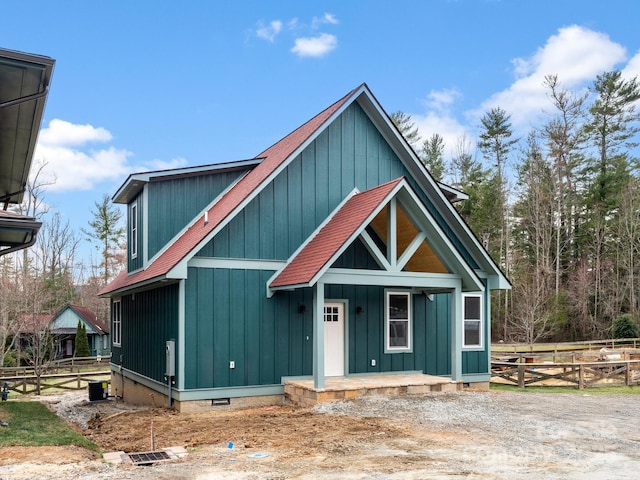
(272, 157)
(332, 236)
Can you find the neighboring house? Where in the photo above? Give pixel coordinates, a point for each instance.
(24, 85)
(64, 325)
(332, 253)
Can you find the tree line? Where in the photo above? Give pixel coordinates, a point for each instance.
(37, 282)
(559, 209)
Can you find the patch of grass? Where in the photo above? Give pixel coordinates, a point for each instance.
(32, 424)
(618, 390)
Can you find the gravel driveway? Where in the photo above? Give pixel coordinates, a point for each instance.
(475, 435)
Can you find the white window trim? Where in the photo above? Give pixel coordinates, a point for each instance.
(116, 323)
(134, 230)
(465, 320)
(388, 348)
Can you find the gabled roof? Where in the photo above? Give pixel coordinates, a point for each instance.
(87, 315)
(170, 263)
(333, 237)
(272, 159)
(348, 221)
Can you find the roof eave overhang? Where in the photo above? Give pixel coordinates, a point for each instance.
(149, 284)
(134, 183)
(22, 105)
(17, 234)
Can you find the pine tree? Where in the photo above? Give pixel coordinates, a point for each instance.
(82, 341)
(106, 228)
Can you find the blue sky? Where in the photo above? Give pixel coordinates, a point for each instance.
(146, 85)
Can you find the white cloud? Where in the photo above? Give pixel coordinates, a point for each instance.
(315, 46)
(71, 166)
(575, 54)
(310, 45)
(157, 164)
(440, 119)
(270, 31)
(442, 99)
(61, 132)
(633, 67)
(329, 18)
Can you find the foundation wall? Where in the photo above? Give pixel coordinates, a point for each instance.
(136, 393)
(480, 386)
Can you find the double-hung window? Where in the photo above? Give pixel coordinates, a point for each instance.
(133, 238)
(116, 319)
(473, 321)
(397, 322)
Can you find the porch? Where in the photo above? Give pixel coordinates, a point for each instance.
(303, 393)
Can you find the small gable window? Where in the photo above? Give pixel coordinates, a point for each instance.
(397, 322)
(133, 237)
(116, 319)
(473, 321)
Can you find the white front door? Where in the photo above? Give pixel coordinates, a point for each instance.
(334, 339)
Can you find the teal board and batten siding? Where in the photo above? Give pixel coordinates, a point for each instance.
(350, 153)
(173, 203)
(149, 319)
(430, 336)
(229, 319)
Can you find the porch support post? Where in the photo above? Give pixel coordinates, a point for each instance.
(456, 333)
(318, 336)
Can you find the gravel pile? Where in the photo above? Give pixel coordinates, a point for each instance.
(75, 407)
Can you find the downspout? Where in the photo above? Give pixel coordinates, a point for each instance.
(18, 247)
(28, 98)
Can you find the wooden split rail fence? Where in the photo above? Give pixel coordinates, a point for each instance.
(68, 374)
(578, 374)
(65, 381)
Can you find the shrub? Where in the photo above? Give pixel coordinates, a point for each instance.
(625, 326)
(10, 359)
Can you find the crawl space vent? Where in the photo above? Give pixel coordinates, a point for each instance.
(147, 458)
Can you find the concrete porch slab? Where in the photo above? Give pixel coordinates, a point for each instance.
(301, 391)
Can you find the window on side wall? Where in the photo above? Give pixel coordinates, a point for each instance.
(116, 318)
(134, 230)
(397, 322)
(473, 321)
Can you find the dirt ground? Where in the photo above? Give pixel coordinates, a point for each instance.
(493, 435)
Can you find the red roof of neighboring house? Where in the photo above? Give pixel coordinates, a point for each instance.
(316, 254)
(33, 322)
(273, 157)
(98, 325)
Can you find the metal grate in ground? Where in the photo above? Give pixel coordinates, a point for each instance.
(147, 458)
